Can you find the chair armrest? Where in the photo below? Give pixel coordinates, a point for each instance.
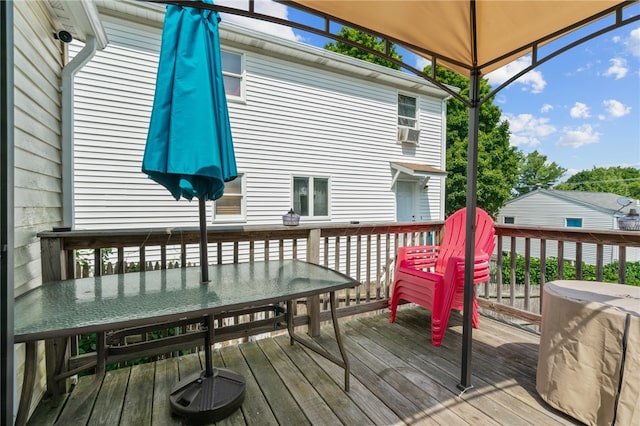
(417, 257)
(454, 271)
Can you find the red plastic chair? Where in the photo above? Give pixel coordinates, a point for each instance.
(433, 276)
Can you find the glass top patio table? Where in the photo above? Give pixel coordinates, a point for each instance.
(68, 307)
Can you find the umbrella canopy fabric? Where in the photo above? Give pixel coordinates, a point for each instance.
(189, 146)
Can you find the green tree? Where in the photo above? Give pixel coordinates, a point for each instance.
(623, 181)
(367, 40)
(536, 171)
(498, 162)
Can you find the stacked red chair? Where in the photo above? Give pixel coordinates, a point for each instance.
(432, 276)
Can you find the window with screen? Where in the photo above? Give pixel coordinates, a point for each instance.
(231, 205)
(407, 111)
(233, 73)
(311, 196)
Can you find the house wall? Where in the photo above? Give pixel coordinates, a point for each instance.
(38, 188)
(297, 119)
(540, 209)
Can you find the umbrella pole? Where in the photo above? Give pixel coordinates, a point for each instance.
(204, 256)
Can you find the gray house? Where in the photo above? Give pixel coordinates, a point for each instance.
(570, 209)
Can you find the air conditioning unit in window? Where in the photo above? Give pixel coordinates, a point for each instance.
(408, 135)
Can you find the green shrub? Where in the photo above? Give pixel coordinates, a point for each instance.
(609, 274)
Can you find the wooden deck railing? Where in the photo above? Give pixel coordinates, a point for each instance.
(576, 246)
(365, 252)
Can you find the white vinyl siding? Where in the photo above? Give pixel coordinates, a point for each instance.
(296, 120)
(37, 174)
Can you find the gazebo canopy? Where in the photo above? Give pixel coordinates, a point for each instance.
(467, 34)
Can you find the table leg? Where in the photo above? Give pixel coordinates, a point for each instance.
(344, 362)
(28, 381)
(69, 411)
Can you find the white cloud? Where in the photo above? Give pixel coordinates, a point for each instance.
(583, 68)
(267, 7)
(421, 62)
(616, 109)
(576, 137)
(633, 42)
(618, 68)
(501, 99)
(533, 80)
(546, 108)
(580, 110)
(527, 129)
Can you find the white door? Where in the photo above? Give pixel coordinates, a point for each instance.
(405, 201)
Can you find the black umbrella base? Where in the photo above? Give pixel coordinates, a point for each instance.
(204, 399)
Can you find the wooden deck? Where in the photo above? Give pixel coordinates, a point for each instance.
(397, 377)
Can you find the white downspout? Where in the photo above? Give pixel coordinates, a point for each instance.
(443, 156)
(68, 73)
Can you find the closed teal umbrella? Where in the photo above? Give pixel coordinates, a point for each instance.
(189, 146)
(190, 152)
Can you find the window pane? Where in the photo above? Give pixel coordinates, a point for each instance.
(320, 197)
(229, 205)
(407, 111)
(301, 196)
(232, 85)
(509, 220)
(231, 62)
(408, 122)
(406, 106)
(234, 187)
(573, 222)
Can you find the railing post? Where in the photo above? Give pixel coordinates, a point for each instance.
(54, 263)
(313, 302)
(53, 260)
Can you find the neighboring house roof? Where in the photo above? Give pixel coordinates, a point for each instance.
(604, 201)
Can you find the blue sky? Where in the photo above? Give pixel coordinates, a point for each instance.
(580, 109)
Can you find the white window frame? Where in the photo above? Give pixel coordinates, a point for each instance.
(416, 118)
(225, 218)
(241, 76)
(311, 191)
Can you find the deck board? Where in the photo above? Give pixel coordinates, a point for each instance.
(397, 377)
(165, 378)
(281, 402)
(138, 403)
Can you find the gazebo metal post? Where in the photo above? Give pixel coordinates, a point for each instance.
(6, 213)
(472, 185)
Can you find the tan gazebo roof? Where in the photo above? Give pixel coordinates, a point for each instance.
(504, 30)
